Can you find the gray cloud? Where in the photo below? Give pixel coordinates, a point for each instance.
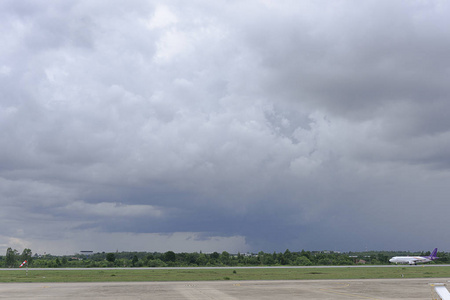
(234, 125)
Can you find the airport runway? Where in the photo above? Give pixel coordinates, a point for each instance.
(394, 289)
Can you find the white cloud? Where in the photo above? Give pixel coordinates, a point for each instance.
(74, 242)
(162, 17)
(5, 70)
(172, 44)
(112, 209)
(235, 118)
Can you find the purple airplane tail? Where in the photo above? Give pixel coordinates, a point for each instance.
(433, 256)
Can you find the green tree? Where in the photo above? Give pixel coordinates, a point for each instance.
(110, 257)
(11, 257)
(268, 259)
(169, 256)
(302, 261)
(215, 255)
(382, 258)
(134, 260)
(64, 261)
(202, 259)
(306, 254)
(191, 258)
(261, 257)
(156, 263)
(27, 255)
(225, 258)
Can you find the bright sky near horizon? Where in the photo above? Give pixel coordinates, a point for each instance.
(224, 125)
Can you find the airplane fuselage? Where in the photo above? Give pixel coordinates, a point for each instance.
(412, 260)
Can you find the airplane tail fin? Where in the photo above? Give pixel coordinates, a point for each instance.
(433, 254)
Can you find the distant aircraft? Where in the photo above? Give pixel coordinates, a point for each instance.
(413, 260)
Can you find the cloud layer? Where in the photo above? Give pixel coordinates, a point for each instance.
(230, 125)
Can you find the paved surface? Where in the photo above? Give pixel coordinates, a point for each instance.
(227, 290)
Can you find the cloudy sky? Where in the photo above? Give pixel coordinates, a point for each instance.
(224, 125)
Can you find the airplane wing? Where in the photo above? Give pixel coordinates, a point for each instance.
(442, 291)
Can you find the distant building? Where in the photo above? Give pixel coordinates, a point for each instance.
(361, 261)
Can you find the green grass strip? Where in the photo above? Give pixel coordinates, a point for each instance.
(89, 275)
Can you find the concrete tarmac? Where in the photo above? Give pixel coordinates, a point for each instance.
(394, 289)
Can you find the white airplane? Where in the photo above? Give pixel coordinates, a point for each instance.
(413, 260)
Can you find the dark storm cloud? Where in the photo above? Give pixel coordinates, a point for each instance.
(233, 125)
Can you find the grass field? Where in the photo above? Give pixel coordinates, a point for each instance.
(89, 275)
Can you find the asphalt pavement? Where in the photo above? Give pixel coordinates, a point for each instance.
(394, 289)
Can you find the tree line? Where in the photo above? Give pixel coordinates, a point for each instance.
(13, 259)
